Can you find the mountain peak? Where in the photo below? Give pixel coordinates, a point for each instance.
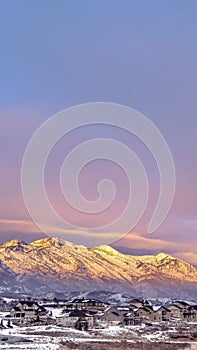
(13, 243)
(51, 241)
(107, 249)
(162, 256)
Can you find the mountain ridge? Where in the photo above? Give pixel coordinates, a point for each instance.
(52, 264)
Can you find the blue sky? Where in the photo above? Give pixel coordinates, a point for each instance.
(143, 54)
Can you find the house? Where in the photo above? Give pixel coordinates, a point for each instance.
(122, 309)
(75, 319)
(176, 312)
(179, 310)
(86, 304)
(182, 304)
(145, 313)
(183, 311)
(190, 315)
(111, 316)
(27, 309)
(160, 314)
(154, 314)
(16, 312)
(129, 318)
(135, 303)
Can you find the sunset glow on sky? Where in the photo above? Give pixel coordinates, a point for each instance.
(141, 54)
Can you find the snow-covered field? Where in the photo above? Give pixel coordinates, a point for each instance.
(54, 338)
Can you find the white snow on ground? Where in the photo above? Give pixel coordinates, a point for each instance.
(3, 314)
(49, 337)
(31, 346)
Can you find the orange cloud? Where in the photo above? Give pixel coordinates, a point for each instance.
(142, 242)
(182, 250)
(24, 226)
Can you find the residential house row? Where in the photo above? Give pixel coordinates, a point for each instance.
(87, 313)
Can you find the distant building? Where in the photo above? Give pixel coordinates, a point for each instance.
(135, 303)
(181, 310)
(76, 319)
(161, 314)
(122, 309)
(191, 314)
(16, 312)
(111, 316)
(178, 309)
(85, 304)
(145, 313)
(27, 309)
(130, 318)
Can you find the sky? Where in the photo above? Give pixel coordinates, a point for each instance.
(142, 54)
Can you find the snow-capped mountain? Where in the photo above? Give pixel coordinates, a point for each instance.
(57, 266)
